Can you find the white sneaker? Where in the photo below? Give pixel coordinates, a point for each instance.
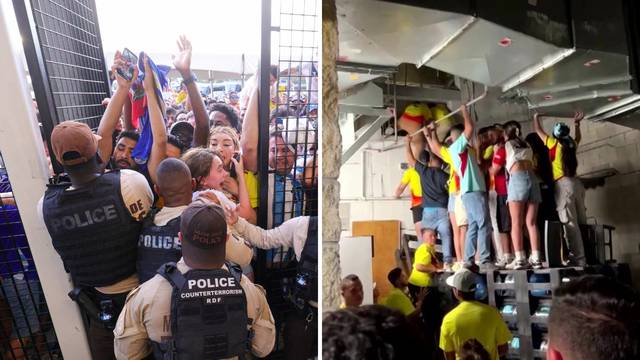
(517, 264)
(456, 266)
(535, 263)
(503, 262)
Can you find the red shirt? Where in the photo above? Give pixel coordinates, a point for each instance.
(500, 179)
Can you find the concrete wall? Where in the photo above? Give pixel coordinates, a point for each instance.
(371, 197)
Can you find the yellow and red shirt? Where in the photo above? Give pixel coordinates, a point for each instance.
(555, 155)
(454, 179)
(412, 178)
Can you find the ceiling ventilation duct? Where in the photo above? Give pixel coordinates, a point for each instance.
(496, 43)
(596, 78)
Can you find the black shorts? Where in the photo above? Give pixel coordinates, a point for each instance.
(417, 214)
(502, 214)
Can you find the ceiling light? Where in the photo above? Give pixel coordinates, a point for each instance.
(592, 62)
(505, 42)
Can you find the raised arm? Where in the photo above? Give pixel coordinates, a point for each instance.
(411, 159)
(246, 211)
(432, 140)
(537, 127)
(128, 123)
(114, 109)
(182, 63)
(159, 147)
(468, 123)
(250, 130)
(576, 123)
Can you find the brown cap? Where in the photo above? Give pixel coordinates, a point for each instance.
(203, 225)
(72, 136)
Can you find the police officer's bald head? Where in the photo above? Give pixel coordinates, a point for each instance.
(174, 182)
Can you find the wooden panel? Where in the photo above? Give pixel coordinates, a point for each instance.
(386, 240)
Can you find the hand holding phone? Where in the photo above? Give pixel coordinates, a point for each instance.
(127, 67)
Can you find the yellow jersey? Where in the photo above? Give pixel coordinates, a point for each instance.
(422, 256)
(474, 320)
(398, 300)
(555, 155)
(412, 178)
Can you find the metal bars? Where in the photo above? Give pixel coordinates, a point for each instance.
(66, 63)
(26, 330)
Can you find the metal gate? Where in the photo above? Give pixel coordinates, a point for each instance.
(26, 330)
(288, 135)
(63, 49)
(63, 52)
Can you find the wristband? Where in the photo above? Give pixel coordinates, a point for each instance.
(190, 79)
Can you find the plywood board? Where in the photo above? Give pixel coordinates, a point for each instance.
(386, 240)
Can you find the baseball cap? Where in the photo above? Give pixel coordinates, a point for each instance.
(203, 225)
(464, 280)
(73, 136)
(561, 130)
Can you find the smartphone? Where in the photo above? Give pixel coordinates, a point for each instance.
(232, 166)
(131, 59)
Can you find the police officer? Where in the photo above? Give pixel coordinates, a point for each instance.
(199, 308)
(159, 242)
(94, 223)
(301, 233)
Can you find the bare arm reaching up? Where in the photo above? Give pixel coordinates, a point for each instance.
(159, 147)
(182, 63)
(114, 109)
(250, 129)
(537, 127)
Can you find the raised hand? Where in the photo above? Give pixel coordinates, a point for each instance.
(120, 63)
(149, 80)
(182, 61)
(579, 115)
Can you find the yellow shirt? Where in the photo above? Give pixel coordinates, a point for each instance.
(251, 181)
(422, 256)
(474, 320)
(412, 178)
(488, 155)
(398, 300)
(555, 155)
(446, 157)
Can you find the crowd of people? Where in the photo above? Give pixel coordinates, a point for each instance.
(500, 186)
(592, 317)
(155, 217)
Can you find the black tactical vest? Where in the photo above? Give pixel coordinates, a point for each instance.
(157, 245)
(308, 264)
(208, 315)
(92, 230)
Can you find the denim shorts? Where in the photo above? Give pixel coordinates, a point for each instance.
(451, 206)
(523, 187)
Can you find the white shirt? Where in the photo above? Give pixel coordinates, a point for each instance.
(292, 232)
